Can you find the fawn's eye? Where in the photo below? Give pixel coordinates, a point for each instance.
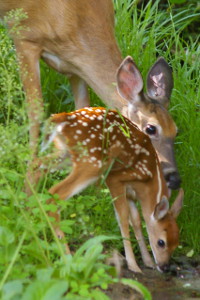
(161, 243)
(151, 129)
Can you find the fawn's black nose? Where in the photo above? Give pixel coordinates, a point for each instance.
(173, 180)
(164, 268)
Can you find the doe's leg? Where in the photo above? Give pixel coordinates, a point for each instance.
(29, 55)
(80, 91)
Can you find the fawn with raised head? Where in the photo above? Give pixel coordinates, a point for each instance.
(99, 140)
(76, 38)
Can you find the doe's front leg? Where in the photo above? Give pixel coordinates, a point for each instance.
(29, 55)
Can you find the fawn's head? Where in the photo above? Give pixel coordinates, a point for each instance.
(163, 230)
(149, 111)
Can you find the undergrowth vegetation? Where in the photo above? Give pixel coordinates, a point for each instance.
(32, 260)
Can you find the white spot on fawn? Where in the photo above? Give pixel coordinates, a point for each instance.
(93, 158)
(60, 126)
(73, 124)
(72, 117)
(78, 131)
(99, 162)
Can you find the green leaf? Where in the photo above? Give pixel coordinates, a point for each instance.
(72, 296)
(33, 251)
(43, 197)
(51, 290)
(104, 286)
(93, 241)
(84, 290)
(6, 236)
(138, 287)
(12, 289)
(92, 255)
(6, 253)
(65, 226)
(97, 295)
(74, 286)
(45, 274)
(56, 291)
(190, 253)
(4, 194)
(50, 207)
(12, 176)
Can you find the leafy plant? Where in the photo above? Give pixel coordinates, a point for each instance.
(81, 276)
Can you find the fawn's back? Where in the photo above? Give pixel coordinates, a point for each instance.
(100, 137)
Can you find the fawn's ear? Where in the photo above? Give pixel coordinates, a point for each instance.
(161, 209)
(178, 204)
(129, 80)
(160, 82)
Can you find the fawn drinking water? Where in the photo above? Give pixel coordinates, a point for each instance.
(100, 140)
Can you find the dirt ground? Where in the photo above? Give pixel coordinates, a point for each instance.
(181, 282)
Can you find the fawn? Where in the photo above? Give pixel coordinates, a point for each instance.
(98, 140)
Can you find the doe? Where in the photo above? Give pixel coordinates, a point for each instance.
(76, 38)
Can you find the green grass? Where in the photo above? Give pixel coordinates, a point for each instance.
(28, 250)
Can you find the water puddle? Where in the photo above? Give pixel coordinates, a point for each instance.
(182, 282)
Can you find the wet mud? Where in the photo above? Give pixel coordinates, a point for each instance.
(181, 282)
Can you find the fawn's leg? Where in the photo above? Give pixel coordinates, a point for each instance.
(80, 177)
(136, 224)
(122, 211)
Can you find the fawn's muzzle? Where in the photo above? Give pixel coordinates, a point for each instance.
(164, 268)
